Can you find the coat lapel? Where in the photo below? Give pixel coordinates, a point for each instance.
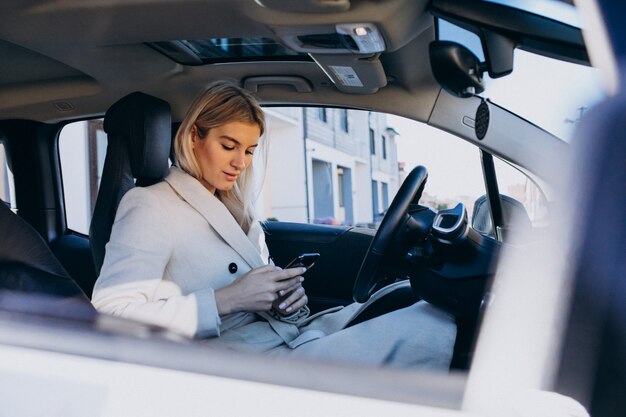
(215, 213)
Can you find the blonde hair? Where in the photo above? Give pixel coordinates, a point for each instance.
(222, 102)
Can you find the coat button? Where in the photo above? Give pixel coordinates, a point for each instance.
(232, 268)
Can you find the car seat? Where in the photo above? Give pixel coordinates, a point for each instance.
(515, 216)
(28, 266)
(138, 129)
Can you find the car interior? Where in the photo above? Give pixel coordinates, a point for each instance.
(122, 60)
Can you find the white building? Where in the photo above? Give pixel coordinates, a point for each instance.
(325, 165)
(339, 166)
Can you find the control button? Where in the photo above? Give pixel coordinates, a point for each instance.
(232, 268)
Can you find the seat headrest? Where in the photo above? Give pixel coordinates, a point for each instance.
(146, 122)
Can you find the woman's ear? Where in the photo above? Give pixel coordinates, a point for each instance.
(194, 134)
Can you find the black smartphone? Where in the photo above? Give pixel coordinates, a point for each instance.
(306, 260)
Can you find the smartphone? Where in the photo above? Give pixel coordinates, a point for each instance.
(306, 260)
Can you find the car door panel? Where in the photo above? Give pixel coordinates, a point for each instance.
(329, 283)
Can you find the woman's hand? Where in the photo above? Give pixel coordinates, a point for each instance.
(291, 300)
(259, 288)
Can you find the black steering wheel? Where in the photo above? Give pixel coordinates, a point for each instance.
(410, 192)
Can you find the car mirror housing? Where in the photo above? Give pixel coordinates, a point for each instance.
(456, 68)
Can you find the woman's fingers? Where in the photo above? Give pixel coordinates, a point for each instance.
(280, 287)
(294, 287)
(284, 274)
(276, 274)
(287, 285)
(294, 302)
(265, 269)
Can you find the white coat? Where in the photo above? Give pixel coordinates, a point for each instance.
(173, 243)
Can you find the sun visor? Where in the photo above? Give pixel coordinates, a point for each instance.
(348, 53)
(353, 73)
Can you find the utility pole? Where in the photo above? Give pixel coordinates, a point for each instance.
(581, 111)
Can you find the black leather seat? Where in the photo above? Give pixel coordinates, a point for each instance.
(138, 128)
(28, 266)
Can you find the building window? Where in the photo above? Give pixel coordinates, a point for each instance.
(323, 195)
(372, 142)
(384, 139)
(321, 114)
(375, 203)
(385, 193)
(343, 119)
(340, 189)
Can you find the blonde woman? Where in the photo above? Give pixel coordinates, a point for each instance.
(187, 254)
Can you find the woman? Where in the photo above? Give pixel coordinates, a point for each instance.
(187, 254)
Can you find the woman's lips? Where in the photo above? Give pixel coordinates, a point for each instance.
(231, 177)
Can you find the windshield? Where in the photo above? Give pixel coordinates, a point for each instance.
(554, 9)
(550, 93)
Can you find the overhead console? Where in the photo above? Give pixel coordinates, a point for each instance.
(345, 38)
(348, 53)
(307, 6)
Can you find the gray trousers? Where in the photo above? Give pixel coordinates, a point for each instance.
(420, 336)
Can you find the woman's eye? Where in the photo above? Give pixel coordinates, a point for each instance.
(228, 148)
(250, 152)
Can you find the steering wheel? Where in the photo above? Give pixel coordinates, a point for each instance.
(410, 192)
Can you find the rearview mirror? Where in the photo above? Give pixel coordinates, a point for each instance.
(456, 68)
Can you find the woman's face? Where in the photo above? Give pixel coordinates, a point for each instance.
(225, 153)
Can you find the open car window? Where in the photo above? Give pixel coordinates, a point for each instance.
(345, 166)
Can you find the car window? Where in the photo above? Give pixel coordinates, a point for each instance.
(345, 166)
(515, 184)
(82, 148)
(7, 187)
(455, 172)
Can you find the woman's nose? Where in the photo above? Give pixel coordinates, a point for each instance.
(239, 161)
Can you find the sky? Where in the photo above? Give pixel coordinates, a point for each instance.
(452, 163)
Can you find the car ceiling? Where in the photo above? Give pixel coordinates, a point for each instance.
(64, 59)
